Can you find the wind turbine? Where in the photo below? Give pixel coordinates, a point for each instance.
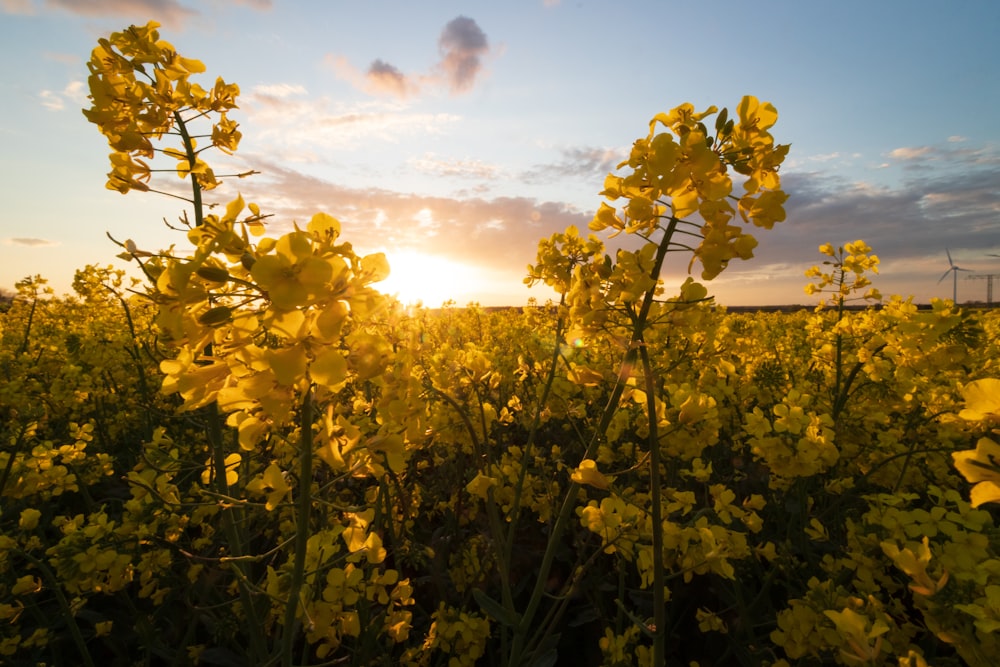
(954, 272)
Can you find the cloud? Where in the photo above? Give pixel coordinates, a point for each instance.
(500, 233)
(954, 203)
(29, 241)
(167, 12)
(74, 92)
(260, 5)
(23, 7)
(462, 45)
(71, 59)
(946, 198)
(51, 101)
(949, 157)
(584, 163)
(471, 169)
(909, 153)
(278, 90)
(383, 77)
(825, 157)
(301, 129)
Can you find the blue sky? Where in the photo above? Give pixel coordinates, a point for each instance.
(454, 135)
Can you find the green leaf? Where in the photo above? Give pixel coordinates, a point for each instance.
(495, 609)
(547, 659)
(641, 624)
(720, 121)
(213, 317)
(216, 274)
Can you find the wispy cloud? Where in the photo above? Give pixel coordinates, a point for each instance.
(579, 162)
(260, 5)
(467, 169)
(278, 90)
(170, 13)
(301, 128)
(380, 80)
(70, 59)
(956, 205)
(383, 77)
(947, 198)
(920, 158)
(75, 92)
(17, 7)
(29, 241)
(51, 101)
(910, 153)
(462, 45)
(825, 157)
(497, 233)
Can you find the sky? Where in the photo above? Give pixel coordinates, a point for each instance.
(454, 135)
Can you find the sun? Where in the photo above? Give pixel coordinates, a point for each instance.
(417, 277)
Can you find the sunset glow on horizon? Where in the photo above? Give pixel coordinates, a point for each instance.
(453, 137)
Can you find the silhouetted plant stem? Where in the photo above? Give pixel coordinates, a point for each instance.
(303, 506)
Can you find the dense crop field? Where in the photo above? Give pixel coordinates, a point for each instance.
(253, 457)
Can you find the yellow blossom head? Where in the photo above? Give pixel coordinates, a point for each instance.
(587, 473)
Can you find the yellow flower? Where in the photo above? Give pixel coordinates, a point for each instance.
(605, 217)
(912, 659)
(587, 473)
(232, 463)
(981, 466)
(26, 584)
(915, 565)
(694, 408)
(764, 210)
(756, 116)
(480, 486)
(293, 274)
(29, 519)
(709, 621)
(853, 628)
(683, 115)
(982, 400)
(273, 483)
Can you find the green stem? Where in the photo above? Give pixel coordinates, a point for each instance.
(302, 511)
(529, 445)
(232, 531)
(839, 370)
(23, 348)
(234, 537)
(192, 161)
(12, 458)
(655, 493)
(569, 500)
(74, 629)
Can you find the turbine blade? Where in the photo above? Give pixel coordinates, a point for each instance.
(947, 252)
(944, 276)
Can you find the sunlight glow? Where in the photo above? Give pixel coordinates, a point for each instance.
(429, 279)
